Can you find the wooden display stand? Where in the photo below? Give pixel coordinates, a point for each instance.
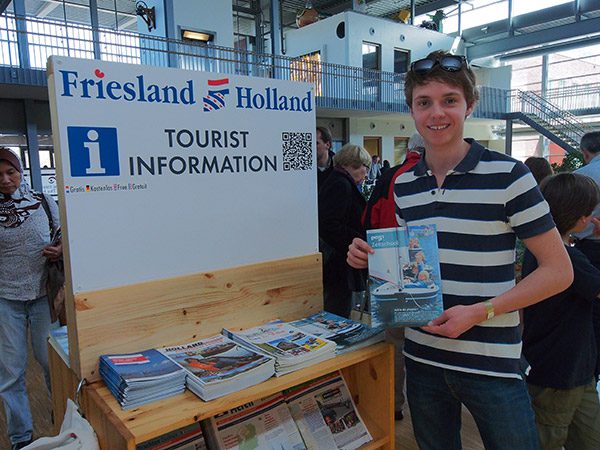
(183, 309)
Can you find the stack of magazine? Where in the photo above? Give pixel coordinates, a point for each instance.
(346, 333)
(217, 366)
(291, 347)
(138, 378)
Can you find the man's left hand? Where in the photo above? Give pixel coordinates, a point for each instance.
(456, 320)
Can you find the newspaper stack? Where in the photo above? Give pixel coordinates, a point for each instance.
(291, 347)
(346, 333)
(138, 378)
(326, 415)
(262, 424)
(189, 437)
(217, 366)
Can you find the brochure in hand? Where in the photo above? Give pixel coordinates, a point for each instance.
(326, 415)
(346, 333)
(263, 424)
(138, 378)
(218, 366)
(291, 347)
(404, 276)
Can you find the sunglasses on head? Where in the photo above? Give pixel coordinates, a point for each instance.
(449, 63)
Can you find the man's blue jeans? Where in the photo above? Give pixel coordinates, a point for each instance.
(500, 406)
(15, 318)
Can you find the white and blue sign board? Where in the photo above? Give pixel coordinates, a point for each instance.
(165, 172)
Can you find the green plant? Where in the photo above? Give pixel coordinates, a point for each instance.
(571, 162)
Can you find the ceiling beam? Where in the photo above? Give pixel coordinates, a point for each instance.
(549, 36)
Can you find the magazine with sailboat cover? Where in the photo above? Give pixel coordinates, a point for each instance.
(404, 276)
(217, 366)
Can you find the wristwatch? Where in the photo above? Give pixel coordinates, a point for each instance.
(489, 309)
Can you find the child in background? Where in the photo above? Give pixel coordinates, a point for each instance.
(558, 339)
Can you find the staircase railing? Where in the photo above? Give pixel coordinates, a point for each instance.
(557, 124)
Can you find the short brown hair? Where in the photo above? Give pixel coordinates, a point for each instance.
(539, 167)
(464, 79)
(570, 196)
(325, 134)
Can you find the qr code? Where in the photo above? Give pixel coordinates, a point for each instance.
(297, 150)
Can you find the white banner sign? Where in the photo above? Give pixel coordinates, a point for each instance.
(165, 172)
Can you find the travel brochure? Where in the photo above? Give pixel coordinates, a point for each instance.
(317, 415)
(138, 378)
(231, 361)
(326, 414)
(346, 333)
(404, 276)
(217, 366)
(291, 347)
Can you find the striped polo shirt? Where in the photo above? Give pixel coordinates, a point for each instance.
(487, 200)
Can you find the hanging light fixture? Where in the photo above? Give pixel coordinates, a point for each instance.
(148, 14)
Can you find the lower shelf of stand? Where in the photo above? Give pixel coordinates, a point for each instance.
(368, 372)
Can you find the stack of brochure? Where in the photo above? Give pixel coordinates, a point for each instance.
(217, 366)
(326, 415)
(138, 378)
(60, 338)
(262, 424)
(346, 333)
(291, 347)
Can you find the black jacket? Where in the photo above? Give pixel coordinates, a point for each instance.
(341, 205)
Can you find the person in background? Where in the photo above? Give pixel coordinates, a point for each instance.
(24, 247)
(540, 169)
(381, 213)
(588, 240)
(385, 167)
(480, 200)
(375, 170)
(324, 155)
(341, 206)
(558, 333)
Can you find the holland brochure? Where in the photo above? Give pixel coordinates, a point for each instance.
(404, 276)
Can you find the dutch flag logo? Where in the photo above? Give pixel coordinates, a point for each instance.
(216, 94)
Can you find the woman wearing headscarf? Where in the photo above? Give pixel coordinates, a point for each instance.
(24, 246)
(341, 205)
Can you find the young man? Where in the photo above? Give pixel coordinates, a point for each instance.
(588, 241)
(558, 336)
(479, 200)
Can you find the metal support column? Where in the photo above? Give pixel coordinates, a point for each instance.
(95, 26)
(171, 32)
(275, 10)
(33, 147)
(21, 26)
(508, 137)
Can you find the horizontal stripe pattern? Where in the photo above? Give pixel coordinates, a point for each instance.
(486, 202)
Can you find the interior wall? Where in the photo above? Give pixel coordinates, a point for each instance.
(321, 36)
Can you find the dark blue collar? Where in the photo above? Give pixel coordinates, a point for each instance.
(468, 163)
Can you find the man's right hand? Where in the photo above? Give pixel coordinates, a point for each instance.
(358, 254)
